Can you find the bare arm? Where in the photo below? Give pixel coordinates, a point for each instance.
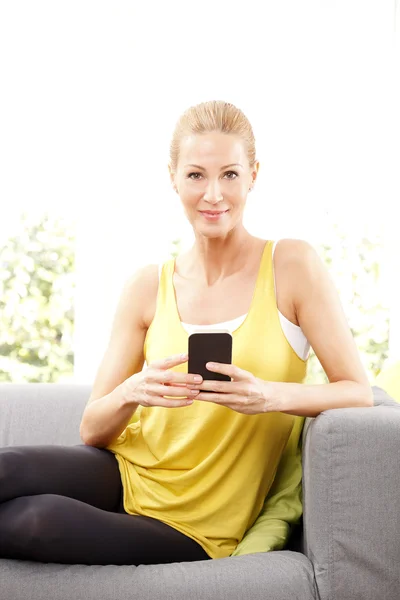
(108, 410)
(322, 319)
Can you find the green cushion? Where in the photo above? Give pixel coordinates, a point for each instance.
(283, 505)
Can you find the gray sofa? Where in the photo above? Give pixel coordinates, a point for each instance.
(347, 548)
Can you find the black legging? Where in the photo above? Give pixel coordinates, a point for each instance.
(63, 504)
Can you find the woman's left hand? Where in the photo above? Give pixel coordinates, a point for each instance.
(245, 393)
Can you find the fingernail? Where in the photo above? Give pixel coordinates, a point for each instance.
(185, 355)
(198, 378)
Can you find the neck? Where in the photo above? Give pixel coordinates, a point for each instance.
(212, 260)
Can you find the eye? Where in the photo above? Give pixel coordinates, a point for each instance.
(232, 174)
(196, 176)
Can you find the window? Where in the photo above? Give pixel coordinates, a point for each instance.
(86, 128)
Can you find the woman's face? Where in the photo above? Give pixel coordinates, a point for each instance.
(213, 178)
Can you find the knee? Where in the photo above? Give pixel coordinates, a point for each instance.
(26, 521)
(40, 517)
(21, 525)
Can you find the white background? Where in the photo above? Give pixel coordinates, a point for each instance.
(91, 91)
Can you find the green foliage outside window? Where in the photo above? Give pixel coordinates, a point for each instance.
(355, 265)
(37, 283)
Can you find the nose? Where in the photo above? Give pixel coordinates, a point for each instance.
(213, 193)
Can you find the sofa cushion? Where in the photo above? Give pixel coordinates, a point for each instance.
(263, 576)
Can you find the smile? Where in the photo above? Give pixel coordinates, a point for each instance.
(212, 215)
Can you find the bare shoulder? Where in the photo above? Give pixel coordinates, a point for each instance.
(299, 265)
(145, 277)
(295, 253)
(141, 288)
(295, 263)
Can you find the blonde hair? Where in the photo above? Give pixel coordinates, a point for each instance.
(206, 117)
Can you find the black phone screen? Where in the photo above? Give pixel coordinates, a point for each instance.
(209, 347)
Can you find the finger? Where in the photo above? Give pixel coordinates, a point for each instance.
(172, 377)
(229, 400)
(222, 387)
(230, 370)
(216, 398)
(170, 361)
(166, 403)
(171, 391)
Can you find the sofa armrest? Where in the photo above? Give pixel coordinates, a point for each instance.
(351, 500)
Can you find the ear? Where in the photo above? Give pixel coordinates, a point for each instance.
(254, 173)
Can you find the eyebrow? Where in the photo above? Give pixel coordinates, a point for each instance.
(222, 168)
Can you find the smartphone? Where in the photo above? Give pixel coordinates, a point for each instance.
(212, 346)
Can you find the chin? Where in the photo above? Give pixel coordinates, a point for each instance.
(213, 232)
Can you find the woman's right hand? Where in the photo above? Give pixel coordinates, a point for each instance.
(150, 386)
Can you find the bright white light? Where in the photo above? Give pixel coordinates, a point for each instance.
(91, 92)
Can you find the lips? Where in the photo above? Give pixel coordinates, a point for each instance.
(213, 216)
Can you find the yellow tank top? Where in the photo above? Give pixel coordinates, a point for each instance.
(205, 469)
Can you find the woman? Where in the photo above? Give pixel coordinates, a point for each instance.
(174, 468)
